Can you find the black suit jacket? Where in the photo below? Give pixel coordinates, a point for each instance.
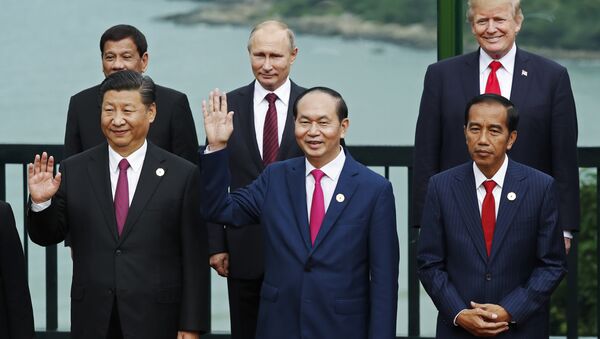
(16, 315)
(173, 128)
(156, 270)
(547, 131)
(245, 245)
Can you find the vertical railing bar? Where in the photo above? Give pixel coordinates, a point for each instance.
(414, 312)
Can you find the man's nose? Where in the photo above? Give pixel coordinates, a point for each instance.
(118, 64)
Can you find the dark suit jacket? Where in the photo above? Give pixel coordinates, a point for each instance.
(547, 131)
(245, 164)
(16, 315)
(527, 259)
(173, 128)
(345, 286)
(156, 269)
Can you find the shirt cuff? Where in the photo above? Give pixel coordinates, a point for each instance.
(41, 206)
(568, 234)
(456, 317)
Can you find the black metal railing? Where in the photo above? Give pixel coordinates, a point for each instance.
(373, 156)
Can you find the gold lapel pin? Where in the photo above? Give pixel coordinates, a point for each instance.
(511, 196)
(340, 197)
(160, 172)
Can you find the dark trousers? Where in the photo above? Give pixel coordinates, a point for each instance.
(244, 297)
(114, 326)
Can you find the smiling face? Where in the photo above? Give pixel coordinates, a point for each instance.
(318, 128)
(125, 120)
(121, 55)
(495, 25)
(271, 56)
(488, 136)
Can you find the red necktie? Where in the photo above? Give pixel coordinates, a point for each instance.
(317, 208)
(122, 196)
(492, 85)
(488, 214)
(270, 137)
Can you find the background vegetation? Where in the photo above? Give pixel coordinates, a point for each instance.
(563, 24)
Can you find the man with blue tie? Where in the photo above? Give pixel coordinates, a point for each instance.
(539, 87)
(329, 224)
(491, 251)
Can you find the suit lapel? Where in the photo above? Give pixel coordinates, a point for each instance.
(507, 208)
(520, 85)
(470, 76)
(288, 139)
(466, 196)
(247, 124)
(145, 188)
(296, 183)
(346, 186)
(100, 181)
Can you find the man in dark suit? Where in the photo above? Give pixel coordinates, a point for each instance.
(490, 250)
(16, 315)
(131, 208)
(333, 274)
(540, 88)
(238, 253)
(124, 47)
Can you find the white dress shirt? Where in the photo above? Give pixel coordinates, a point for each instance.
(504, 73)
(136, 161)
(480, 178)
(329, 181)
(261, 105)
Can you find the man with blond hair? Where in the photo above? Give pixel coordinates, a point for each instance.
(264, 133)
(539, 87)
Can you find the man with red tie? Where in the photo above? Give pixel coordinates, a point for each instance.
(490, 251)
(131, 209)
(539, 87)
(264, 133)
(329, 226)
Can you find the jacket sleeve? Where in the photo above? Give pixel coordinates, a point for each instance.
(184, 140)
(431, 259)
(532, 296)
(426, 158)
(13, 278)
(383, 263)
(564, 152)
(195, 307)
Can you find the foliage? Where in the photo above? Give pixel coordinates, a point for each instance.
(588, 267)
(562, 24)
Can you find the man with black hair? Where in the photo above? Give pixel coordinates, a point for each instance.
(124, 47)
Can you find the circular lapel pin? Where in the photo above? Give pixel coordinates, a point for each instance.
(511, 196)
(160, 172)
(340, 197)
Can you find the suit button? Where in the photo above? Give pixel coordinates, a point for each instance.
(308, 266)
(488, 276)
(118, 252)
(110, 291)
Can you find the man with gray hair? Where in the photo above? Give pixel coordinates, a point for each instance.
(264, 133)
(539, 87)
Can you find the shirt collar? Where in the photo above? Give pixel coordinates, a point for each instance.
(283, 92)
(507, 61)
(135, 159)
(498, 177)
(331, 169)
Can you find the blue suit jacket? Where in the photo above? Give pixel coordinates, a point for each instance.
(547, 140)
(345, 286)
(527, 259)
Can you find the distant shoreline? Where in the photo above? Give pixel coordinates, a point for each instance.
(346, 25)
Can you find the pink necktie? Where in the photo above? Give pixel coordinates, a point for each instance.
(270, 137)
(488, 214)
(122, 196)
(317, 209)
(492, 85)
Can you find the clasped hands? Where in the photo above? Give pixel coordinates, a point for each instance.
(484, 320)
(218, 122)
